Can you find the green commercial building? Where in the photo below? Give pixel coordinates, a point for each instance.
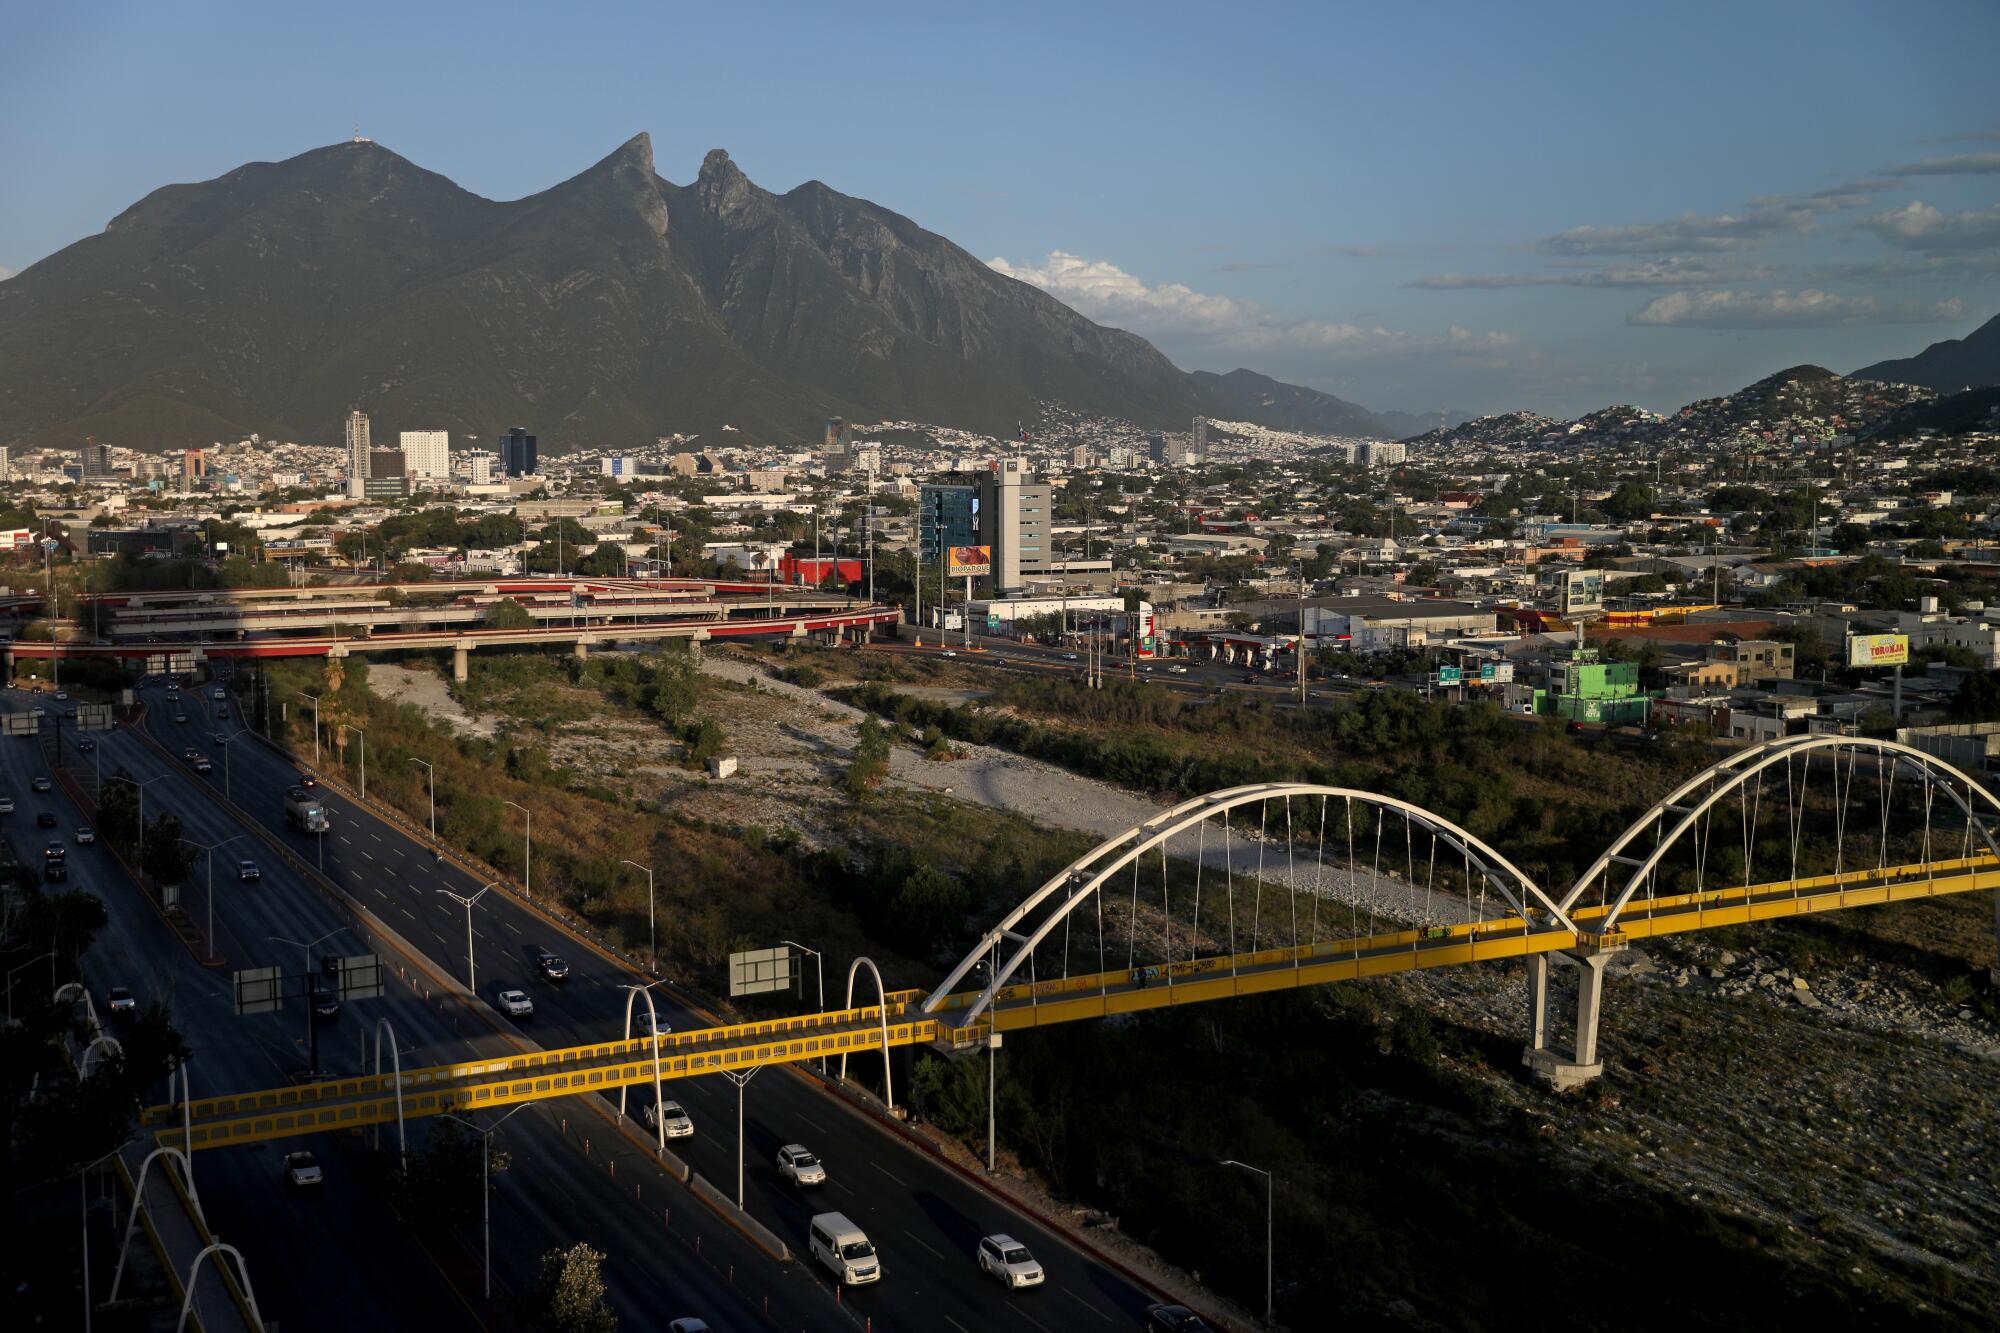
(1597, 691)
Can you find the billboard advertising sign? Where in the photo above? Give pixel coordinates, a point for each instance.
(972, 560)
(1878, 650)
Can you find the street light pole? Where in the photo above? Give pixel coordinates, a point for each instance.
(211, 882)
(1270, 1189)
(471, 974)
(485, 1184)
(432, 772)
(305, 981)
(652, 933)
(527, 850)
(315, 703)
(819, 969)
(740, 1079)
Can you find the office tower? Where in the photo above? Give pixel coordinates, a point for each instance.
(947, 515)
(194, 464)
(427, 454)
(1014, 521)
(386, 463)
(357, 453)
(6, 465)
(479, 464)
(619, 466)
(1201, 439)
(1156, 448)
(96, 460)
(517, 453)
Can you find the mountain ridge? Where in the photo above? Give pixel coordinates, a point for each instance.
(606, 309)
(1949, 366)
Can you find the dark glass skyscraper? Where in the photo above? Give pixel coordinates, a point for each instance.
(517, 453)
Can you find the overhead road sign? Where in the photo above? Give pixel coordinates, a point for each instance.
(758, 971)
(360, 976)
(258, 991)
(93, 717)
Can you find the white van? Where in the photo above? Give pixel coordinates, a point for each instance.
(845, 1249)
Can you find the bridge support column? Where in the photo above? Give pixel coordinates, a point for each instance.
(582, 649)
(460, 665)
(1562, 1070)
(7, 665)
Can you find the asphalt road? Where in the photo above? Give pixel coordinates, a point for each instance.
(328, 1258)
(924, 1218)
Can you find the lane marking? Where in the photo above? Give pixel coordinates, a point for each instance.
(913, 1236)
(369, 857)
(1031, 1319)
(406, 912)
(1086, 1305)
(891, 1174)
(510, 925)
(955, 1324)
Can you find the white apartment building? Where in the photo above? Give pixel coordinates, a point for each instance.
(479, 466)
(426, 454)
(357, 453)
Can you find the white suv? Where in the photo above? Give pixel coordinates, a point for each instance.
(678, 1124)
(515, 1004)
(797, 1164)
(1008, 1260)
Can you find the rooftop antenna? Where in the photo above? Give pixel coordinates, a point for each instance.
(359, 137)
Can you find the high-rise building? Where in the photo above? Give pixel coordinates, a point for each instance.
(1201, 439)
(357, 453)
(1156, 448)
(619, 466)
(947, 515)
(427, 454)
(1380, 453)
(479, 467)
(6, 465)
(517, 453)
(387, 463)
(97, 460)
(194, 464)
(1014, 521)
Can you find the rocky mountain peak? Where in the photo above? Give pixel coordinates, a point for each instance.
(722, 187)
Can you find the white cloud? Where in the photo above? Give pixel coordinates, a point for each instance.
(1104, 292)
(1958, 164)
(1808, 308)
(1919, 226)
(1653, 273)
(1761, 219)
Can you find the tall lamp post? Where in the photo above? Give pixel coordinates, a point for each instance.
(485, 1186)
(211, 881)
(364, 759)
(140, 787)
(471, 975)
(819, 970)
(652, 934)
(1270, 1187)
(432, 774)
(315, 703)
(527, 849)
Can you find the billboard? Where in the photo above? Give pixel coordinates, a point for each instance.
(1865, 650)
(257, 990)
(972, 560)
(360, 976)
(757, 971)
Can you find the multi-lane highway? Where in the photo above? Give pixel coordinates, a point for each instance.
(924, 1217)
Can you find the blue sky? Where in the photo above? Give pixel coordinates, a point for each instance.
(1418, 206)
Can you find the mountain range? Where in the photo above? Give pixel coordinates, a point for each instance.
(608, 310)
(1955, 364)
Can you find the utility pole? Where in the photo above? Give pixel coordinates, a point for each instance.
(1302, 632)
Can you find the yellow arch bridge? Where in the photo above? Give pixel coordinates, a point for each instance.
(1388, 859)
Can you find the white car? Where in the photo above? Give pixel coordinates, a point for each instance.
(646, 1025)
(301, 1169)
(516, 1004)
(6, 805)
(688, 1325)
(1178, 669)
(85, 835)
(1008, 1260)
(797, 1164)
(678, 1124)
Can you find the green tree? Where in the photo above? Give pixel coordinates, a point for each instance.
(167, 858)
(704, 739)
(508, 614)
(439, 1190)
(871, 759)
(569, 1298)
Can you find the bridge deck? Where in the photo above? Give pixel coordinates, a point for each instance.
(351, 1103)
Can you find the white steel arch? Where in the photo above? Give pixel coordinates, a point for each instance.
(1088, 873)
(881, 994)
(1695, 798)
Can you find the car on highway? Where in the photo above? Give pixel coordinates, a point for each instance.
(190, 754)
(1008, 1260)
(247, 871)
(1174, 1319)
(218, 693)
(678, 1126)
(220, 738)
(308, 781)
(40, 784)
(202, 764)
(951, 652)
(326, 1004)
(45, 820)
(688, 1324)
(797, 1164)
(120, 1001)
(85, 835)
(844, 1248)
(551, 967)
(1069, 657)
(6, 805)
(1249, 678)
(1179, 668)
(302, 1170)
(62, 694)
(180, 716)
(86, 745)
(648, 1025)
(222, 713)
(515, 1003)
(38, 712)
